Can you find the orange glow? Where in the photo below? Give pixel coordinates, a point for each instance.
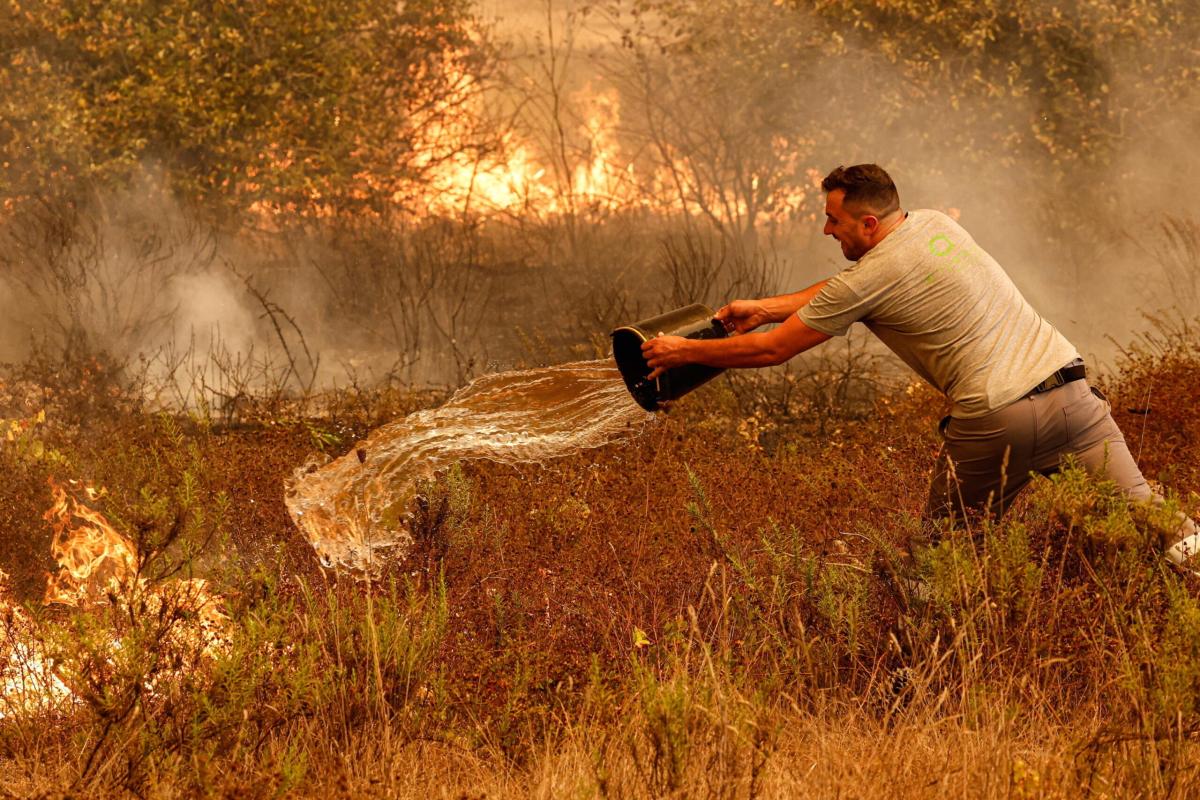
(592, 174)
(590, 171)
(96, 563)
(94, 560)
(98, 566)
(28, 681)
(575, 165)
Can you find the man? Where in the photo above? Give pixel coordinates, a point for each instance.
(921, 284)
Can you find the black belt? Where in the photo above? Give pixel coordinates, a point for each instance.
(1071, 372)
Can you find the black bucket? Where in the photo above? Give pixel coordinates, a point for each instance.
(691, 322)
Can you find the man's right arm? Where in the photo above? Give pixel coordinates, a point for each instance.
(783, 306)
(746, 315)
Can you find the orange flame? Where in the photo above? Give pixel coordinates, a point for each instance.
(583, 166)
(94, 560)
(97, 563)
(593, 175)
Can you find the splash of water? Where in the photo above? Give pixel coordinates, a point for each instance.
(357, 509)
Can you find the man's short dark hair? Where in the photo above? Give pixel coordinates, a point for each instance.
(868, 188)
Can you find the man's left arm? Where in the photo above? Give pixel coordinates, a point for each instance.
(747, 350)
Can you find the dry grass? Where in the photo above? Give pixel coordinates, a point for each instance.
(697, 613)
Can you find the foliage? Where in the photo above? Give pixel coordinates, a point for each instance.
(1092, 73)
(745, 104)
(681, 614)
(709, 609)
(281, 103)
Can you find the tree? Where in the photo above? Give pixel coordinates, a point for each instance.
(329, 104)
(1086, 74)
(745, 102)
(722, 94)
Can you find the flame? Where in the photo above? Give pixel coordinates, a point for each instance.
(98, 566)
(97, 563)
(588, 169)
(28, 681)
(94, 560)
(592, 175)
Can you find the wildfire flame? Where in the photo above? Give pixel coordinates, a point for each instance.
(595, 176)
(28, 682)
(98, 565)
(588, 168)
(94, 560)
(598, 173)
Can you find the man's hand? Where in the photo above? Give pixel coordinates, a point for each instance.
(663, 353)
(742, 316)
(752, 350)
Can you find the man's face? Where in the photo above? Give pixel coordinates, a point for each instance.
(851, 231)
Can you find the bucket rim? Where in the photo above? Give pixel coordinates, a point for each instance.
(640, 334)
(630, 380)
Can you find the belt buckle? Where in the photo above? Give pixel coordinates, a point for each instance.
(1053, 382)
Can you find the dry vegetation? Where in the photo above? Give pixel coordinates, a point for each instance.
(236, 234)
(698, 612)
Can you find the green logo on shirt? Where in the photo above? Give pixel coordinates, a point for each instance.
(943, 247)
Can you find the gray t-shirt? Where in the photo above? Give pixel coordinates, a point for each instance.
(942, 304)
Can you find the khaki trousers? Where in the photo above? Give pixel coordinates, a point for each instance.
(987, 460)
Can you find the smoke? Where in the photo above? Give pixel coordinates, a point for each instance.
(204, 317)
(135, 274)
(1095, 244)
(128, 274)
(209, 301)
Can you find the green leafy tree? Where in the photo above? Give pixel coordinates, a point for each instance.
(335, 104)
(746, 102)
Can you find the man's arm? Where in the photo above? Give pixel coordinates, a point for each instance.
(743, 316)
(749, 350)
(783, 306)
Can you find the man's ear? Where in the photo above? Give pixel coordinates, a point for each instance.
(870, 223)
